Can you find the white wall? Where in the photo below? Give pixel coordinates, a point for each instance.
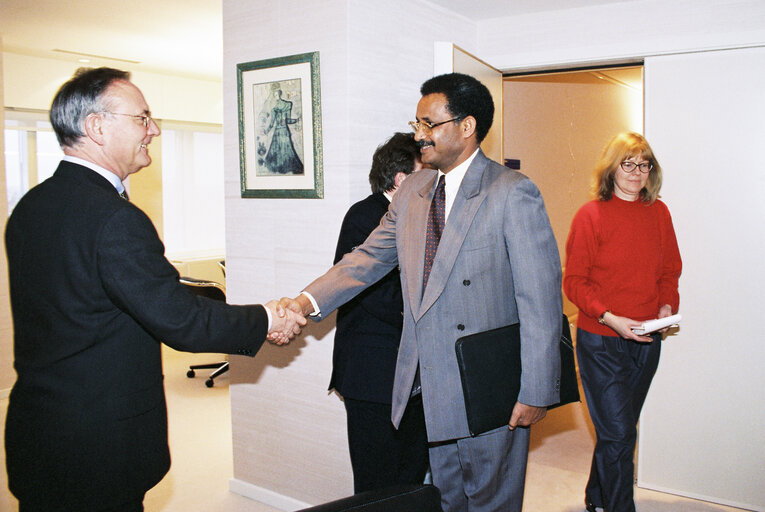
(289, 433)
(701, 431)
(7, 374)
(31, 83)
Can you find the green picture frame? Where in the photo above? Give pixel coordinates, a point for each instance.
(280, 147)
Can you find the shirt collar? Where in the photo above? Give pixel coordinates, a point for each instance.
(453, 180)
(454, 177)
(113, 178)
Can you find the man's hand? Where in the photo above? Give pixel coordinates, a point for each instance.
(300, 305)
(525, 415)
(285, 323)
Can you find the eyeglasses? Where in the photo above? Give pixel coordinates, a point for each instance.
(629, 167)
(145, 119)
(428, 127)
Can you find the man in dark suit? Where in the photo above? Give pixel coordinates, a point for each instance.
(476, 252)
(366, 342)
(93, 298)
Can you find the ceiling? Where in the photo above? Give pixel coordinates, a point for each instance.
(181, 37)
(485, 9)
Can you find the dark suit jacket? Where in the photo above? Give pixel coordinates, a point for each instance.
(369, 326)
(92, 298)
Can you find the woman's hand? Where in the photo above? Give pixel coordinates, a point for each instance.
(623, 327)
(664, 312)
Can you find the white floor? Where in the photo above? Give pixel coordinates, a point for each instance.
(200, 444)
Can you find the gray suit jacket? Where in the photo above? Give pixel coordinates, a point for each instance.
(497, 264)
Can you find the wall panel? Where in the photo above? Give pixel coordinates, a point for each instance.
(701, 431)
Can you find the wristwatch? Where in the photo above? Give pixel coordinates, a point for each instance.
(601, 318)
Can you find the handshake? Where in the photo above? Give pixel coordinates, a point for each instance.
(287, 318)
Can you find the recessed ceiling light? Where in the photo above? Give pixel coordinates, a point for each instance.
(103, 57)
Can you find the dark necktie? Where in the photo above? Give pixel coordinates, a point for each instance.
(436, 220)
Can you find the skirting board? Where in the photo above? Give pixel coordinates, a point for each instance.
(270, 498)
(699, 497)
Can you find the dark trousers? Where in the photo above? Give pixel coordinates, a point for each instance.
(616, 374)
(382, 456)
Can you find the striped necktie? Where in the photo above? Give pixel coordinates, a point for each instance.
(436, 221)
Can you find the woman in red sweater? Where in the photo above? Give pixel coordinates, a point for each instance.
(622, 268)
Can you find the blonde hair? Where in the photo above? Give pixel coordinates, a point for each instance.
(620, 148)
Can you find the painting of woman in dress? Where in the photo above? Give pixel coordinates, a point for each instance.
(276, 142)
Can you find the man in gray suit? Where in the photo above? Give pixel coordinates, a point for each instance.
(475, 253)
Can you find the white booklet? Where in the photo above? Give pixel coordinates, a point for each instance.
(650, 326)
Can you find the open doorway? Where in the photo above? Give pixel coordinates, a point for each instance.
(555, 126)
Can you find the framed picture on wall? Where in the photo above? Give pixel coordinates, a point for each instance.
(280, 151)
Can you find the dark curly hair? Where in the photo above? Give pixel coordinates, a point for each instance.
(465, 96)
(397, 154)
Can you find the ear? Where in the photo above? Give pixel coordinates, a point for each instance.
(398, 179)
(94, 128)
(467, 127)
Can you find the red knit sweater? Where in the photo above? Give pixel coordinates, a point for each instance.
(621, 256)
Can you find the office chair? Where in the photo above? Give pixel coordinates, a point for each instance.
(215, 291)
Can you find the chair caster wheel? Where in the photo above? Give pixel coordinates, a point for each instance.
(190, 374)
(209, 383)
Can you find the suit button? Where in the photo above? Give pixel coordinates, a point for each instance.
(466, 282)
(460, 327)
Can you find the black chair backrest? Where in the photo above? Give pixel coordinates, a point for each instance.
(399, 498)
(209, 289)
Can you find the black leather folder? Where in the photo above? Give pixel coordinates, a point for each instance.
(490, 370)
(569, 385)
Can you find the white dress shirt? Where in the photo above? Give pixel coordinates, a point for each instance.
(109, 175)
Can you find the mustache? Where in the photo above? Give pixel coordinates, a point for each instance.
(422, 143)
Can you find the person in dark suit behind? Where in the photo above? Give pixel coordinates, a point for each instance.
(92, 297)
(366, 342)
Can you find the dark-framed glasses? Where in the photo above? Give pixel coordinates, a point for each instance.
(428, 127)
(629, 167)
(145, 118)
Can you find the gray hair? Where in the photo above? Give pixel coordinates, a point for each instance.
(81, 96)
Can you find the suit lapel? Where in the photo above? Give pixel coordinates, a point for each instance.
(466, 204)
(416, 237)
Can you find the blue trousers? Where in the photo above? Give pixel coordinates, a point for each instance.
(616, 374)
